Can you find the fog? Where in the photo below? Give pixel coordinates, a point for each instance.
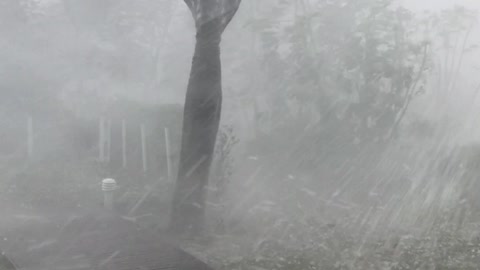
(348, 136)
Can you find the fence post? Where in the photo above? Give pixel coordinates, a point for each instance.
(101, 139)
(124, 143)
(144, 147)
(167, 150)
(108, 140)
(30, 137)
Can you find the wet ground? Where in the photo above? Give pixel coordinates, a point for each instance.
(35, 238)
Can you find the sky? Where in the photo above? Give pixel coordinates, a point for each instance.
(439, 4)
(421, 4)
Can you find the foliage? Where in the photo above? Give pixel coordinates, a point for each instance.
(222, 169)
(360, 77)
(221, 175)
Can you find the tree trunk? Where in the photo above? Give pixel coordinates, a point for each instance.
(200, 120)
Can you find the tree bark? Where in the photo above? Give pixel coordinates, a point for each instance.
(201, 116)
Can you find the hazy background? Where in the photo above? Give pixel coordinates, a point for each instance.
(345, 123)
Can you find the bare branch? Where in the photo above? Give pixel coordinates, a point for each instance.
(231, 11)
(190, 4)
(411, 90)
(218, 12)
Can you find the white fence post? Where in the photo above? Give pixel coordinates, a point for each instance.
(167, 150)
(108, 140)
(124, 143)
(144, 147)
(30, 142)
(101, 139)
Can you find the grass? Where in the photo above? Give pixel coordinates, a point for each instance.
(415, 255)
(343, 249)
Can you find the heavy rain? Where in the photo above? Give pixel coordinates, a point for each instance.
(239, 134)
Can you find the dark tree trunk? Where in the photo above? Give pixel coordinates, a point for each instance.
(201, 115)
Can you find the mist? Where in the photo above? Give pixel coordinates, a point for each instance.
(347, 133)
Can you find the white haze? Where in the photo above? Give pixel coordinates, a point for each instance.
(292, 178)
